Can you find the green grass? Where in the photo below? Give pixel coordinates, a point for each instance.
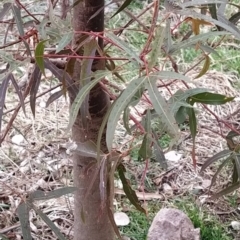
(210, 227)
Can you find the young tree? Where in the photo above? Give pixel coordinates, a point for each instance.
(82, 76)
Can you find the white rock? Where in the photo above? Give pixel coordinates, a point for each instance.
(18, 139)
(167, 188)
(42, 104)
(121, 219)
(235, 225)
(173, 156)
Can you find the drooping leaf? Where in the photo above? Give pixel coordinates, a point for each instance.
(123, 6)
(196, 23)
(23, 214)
(3, 91)
(98, 75)
(214, 178)
(226, 191)
(124, 46)
(118, 106)
(163, 109)
(62, 76)
(192, 122)
(156, 46)
(158, 152)
(54, 97)
(213, 10)
(234, 18)
(46, 219)
(205, 67)
(5, 10)
(17, 16)
(230, 142)
(130, 193)
(216, 157)
(36, 74)
(42, 195)
(236, 165)
(85, 77)
(65, 40)
(39, 51)
(181, 115)
(103, 182)
(145, 151)
(18, 91)
(210, 98)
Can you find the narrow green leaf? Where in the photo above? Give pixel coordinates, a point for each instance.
(5, 9)
(216, 157)
(51, 225)
(123, 6)
(39, 51)
(158, 152)
(124, 46)
(17, 15)
(205, 67)
(181, 115)
(193, 40)
(234, 18)
(210, 98)
(192, 122)
(163, 109)
(118, 106)
(130, 193)
(98, 75)
(214, 178)
(236, 158)
(145, 151)
(23, 214)
(65, 40)
(156, 46)
(42, 195)
(226, 191)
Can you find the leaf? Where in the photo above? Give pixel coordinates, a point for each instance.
(205, 67)
(65, 40)
(193, 40)
(118, 106)
(156, 46)
(145, 151)
(162, 108)
(36, 74)
(54, 97)
(158, 152)
(214, 178)
(226, 191)
(210, 98)
(98, 75)
(85, 77)
(18, 91)
(236, 158)
(17, 15)
(192, 122)
(213, 10)
(23, 214)
(216, 157)
(42, 195)
(196, 24)
(3, 90)
(6, 7)
(234, 18)
(51, 225)
(130, 193)
(123, 6)
(3, 237)
(124, 46)
(62, 76)
(181, 115)
(39, 51)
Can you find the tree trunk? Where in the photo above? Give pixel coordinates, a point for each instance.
(90, 219)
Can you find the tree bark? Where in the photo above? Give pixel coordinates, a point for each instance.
(91, 221)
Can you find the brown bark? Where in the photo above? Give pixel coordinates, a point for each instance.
(90, 219)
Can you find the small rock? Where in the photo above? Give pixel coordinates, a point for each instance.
(173, 156)
(235, 225)
(121, 219)
(42, 104)
(172, 224)
(18, 139)
(167, 188)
